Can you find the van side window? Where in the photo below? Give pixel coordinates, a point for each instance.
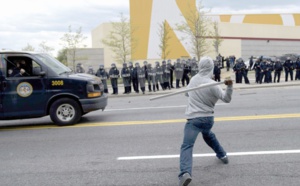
(19, 66)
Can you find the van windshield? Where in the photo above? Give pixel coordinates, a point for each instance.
(53, 63)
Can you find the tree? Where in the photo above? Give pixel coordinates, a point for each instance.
(62, 56)
(72, 41)
(45, 48)
(28, 48)
(197, 29)
(216, 37)
(120, 41)
(164, 36)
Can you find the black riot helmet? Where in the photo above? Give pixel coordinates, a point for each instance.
(113, 65)
(101, 66)
(163, 62)
(124, 65)
(157, 63)
(137, 64)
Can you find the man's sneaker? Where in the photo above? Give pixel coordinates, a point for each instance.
(185, 179)
(224, 159)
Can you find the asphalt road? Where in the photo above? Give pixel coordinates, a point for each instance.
(136, 142)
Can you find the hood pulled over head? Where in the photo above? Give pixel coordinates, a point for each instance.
(206, 67)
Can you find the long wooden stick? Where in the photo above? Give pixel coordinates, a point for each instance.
(188, 90)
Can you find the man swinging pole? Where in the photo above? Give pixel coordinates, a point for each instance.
(203, 93)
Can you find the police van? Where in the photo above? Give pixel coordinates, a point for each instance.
(34, 85)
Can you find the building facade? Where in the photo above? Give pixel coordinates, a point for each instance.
(243, 35)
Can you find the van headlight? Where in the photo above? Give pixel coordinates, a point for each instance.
(93, 90)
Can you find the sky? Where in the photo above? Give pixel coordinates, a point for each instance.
(32, 22)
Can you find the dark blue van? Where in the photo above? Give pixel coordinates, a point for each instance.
(34, 85)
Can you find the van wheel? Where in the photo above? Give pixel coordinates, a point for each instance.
(65, 111)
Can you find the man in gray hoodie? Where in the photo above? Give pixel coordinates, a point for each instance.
(200, 117)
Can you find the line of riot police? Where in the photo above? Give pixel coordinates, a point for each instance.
(159, 76)
(264, 67)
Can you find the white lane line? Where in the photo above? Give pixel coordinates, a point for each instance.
(149, 108)
(211, 155)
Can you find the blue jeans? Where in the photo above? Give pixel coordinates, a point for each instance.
(191, 131)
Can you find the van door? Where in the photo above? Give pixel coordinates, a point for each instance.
(1, 87)
(24, 95)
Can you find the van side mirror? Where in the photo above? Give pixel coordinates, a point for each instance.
(43, 73)
(37, 71)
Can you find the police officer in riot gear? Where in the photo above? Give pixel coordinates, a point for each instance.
(277, 68)
(288, 68)
(135, 77)
(244, 71)
(178, 72)
(91, 70)
(125, 74)
(159, 76)
(171, 69)
(257, 69)
(151, 77)
(194, 67)
(263, 74)
(237, 68)
(217, 71)
(141, 76)
(114, 75)
(297, 67)
(186, 70)
(269, 71)
(103, 75)
(166, 75)
(79, 68)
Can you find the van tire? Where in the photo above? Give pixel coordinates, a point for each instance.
(65, 111)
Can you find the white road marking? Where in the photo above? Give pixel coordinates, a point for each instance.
(149, 108)
(212, 155)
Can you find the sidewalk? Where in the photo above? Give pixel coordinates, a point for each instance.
(251, 76)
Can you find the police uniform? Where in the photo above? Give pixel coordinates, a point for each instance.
(103, 75)
(171, 69)
(151, 77)
(257, 70)
(244, 71)
(297, 67)
(194, 68)
(159, 76)
(288, 68)
(114, 75)
(166, 75)
(126, 75)
(178, 72)
(263, 74)
(217, 72)
(91, 71)
(277, 69)
(185, 74)
(141, 76)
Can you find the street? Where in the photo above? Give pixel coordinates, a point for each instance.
(136, 142)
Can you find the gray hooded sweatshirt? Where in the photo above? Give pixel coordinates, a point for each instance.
(201, 102)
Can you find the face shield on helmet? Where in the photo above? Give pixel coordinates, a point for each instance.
(113, 65)
(124, 65)
(137, 65)
(157, 63)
